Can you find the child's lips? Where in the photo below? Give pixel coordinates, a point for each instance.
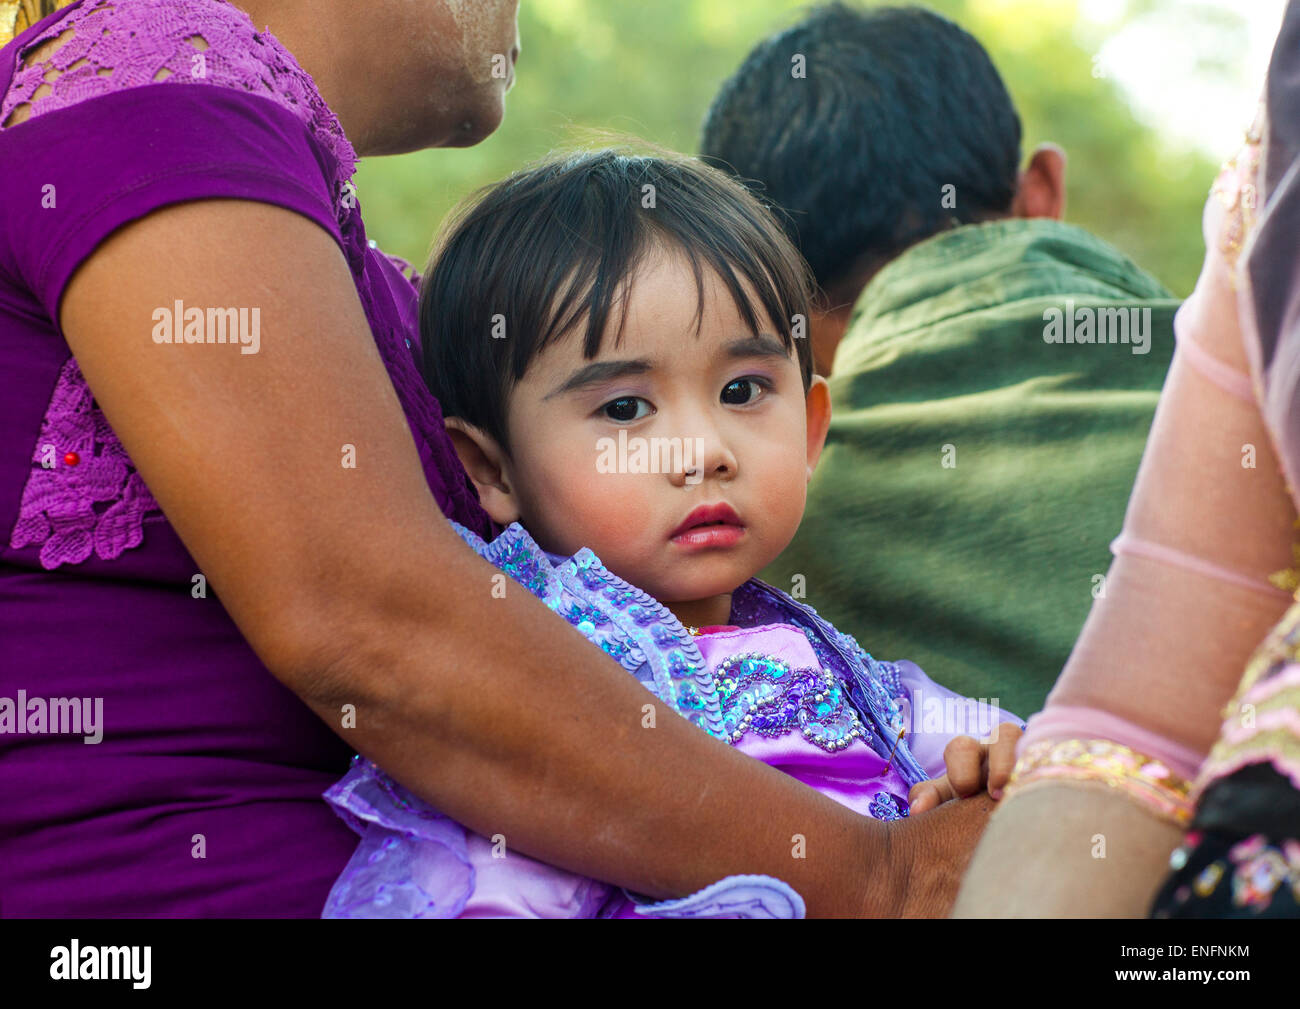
(701, 537)
(715, 525)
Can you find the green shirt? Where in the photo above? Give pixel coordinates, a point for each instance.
(978, 465)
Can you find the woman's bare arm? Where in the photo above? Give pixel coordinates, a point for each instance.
(1062, 851)
(353, 589)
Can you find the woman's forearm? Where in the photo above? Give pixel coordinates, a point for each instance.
(1068, 851)
(498, 713)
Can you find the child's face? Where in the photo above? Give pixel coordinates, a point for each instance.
(747, 439)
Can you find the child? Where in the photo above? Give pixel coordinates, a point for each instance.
(617, 344)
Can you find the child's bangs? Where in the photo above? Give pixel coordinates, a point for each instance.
(714, 231)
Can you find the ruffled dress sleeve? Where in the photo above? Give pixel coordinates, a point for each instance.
(938, 715)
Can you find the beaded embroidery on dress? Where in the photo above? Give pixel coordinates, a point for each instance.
(850, 698)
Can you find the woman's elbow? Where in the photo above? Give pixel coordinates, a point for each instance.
(331, 659)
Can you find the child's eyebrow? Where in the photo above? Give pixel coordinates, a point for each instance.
(758, 345)
(598, 372)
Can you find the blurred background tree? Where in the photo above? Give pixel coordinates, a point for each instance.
(651, 68)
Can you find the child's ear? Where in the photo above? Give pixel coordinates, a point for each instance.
(487, 466)
(817, 404)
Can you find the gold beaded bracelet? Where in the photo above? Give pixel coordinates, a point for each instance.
(1148, 781)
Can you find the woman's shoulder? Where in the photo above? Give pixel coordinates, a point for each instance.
(104, 47)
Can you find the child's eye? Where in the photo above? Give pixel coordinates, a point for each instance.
(742, 391)
(626, 408)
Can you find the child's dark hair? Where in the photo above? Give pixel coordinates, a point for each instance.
(559, 241)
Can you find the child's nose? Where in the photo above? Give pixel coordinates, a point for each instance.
(706, 456)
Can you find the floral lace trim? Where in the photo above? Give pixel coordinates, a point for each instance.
(1100, 761)
(79, 464)
(108, 46)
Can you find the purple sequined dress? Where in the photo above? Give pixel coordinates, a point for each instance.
(201, 795)
(783, 686)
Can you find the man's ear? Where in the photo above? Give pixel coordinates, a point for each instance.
(826, 330)
(818, 409)
(488, 467)
(1040, 190)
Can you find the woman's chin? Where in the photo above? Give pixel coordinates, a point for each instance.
(478, 123)
(465, 128)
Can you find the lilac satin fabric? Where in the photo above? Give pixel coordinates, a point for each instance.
(203, 797)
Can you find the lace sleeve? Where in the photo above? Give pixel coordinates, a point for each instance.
(104, 47)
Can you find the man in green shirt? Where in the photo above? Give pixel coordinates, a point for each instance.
(995, 370)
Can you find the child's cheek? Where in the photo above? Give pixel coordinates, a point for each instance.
(782, 491)
(611, 513)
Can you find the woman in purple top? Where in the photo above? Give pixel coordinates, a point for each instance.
(223, 569)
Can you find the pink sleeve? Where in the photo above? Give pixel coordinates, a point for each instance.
(1188, 597)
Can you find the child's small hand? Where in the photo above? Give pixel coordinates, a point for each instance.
(972, 767)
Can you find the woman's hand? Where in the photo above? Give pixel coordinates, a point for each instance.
(973, 766)
(929, 853)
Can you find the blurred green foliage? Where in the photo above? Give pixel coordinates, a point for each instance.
(651, 68)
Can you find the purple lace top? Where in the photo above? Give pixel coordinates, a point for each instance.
(786, 688)
(202, 795)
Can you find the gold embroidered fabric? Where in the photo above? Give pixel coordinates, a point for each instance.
(1237, 189)
(1144, 779)
(1288, 579)
(1261, 724)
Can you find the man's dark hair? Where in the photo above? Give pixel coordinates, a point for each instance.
(897, 103)
(558, 243)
